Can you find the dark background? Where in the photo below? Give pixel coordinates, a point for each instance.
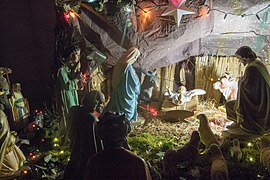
(27, 38)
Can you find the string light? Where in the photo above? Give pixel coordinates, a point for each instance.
(258, 17)
(225, 16)
(140, 8)
(235, 14)
(150, 8)
(55, 140)
(72, 14)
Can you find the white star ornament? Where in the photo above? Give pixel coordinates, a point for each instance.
(177, 11)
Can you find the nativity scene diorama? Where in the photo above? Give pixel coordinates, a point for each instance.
(146, 90)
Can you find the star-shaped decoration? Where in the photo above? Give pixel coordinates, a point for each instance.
(177, 9)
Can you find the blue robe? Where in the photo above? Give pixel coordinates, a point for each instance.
(125, 94)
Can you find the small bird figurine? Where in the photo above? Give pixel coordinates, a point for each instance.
(186, 153)
(265, 152)
(235, 150)
(219, 169)
(207, 136)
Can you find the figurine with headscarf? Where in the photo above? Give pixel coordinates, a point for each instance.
(126, 86)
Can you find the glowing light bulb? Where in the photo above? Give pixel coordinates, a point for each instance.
(72, 14)
(56, 145)
(66, 16)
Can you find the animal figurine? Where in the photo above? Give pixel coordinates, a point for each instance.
(207, 136)
(265, 152)
(235, 150)
(219, 169)
(228, 86)
(186, 153)
(149, 83)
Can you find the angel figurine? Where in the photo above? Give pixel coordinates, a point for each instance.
(182, 97)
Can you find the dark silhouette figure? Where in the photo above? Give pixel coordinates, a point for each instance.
(84, 141)
(188, 152)
(115, 162)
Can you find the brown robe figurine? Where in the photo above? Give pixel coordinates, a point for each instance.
(11, 157)
(251, 110)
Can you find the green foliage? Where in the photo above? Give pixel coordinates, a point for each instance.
(151, 146)
(249, 166)
(69, 5)
(52, 163)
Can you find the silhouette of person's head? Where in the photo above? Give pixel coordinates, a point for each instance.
(94, 101)
(113, 129)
